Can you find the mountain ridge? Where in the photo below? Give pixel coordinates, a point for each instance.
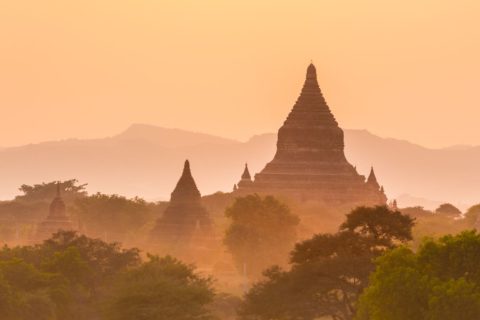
(146, 160)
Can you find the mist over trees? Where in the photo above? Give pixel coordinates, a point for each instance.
(329, 271)
(342, 275)
(262, 232)
(70, 276)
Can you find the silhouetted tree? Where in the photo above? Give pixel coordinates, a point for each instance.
(262, 232)
(70, 189)
(114, 214)
(161, 289)
(65, 277)
(385, 227)
(329, 271)
(448, 209)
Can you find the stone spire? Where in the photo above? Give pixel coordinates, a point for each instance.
(186, 189)
(372, 180)
(184, 213)
(246, 179)
(246, 173)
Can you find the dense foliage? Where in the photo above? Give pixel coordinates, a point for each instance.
(111, 214)
(262, 232)
(439, 281)
(448, 208)
(70, 189)
(70, 276)
(329, 271)
(161, 289)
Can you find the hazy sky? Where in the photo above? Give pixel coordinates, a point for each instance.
(404, 69)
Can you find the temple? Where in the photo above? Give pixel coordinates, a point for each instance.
(185, 217)
(310, 161)
(56, 220)
(246, 179)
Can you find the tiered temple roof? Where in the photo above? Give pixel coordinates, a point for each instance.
(185, 216)
(310, 160)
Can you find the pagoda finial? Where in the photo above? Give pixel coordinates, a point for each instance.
(311, 71)
(186, 166)
(58, 189)
(372, 179)
(246, 173)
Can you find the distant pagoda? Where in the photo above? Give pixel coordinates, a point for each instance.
(185, 218)
(56, 220)
(246, 179)
(310, 161)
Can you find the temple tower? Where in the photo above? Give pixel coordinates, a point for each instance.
(246, 179)
(185, 216)
(56, 220)
(310, 161)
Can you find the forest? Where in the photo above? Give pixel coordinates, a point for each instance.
(271, 259)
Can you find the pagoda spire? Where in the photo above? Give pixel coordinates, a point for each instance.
(58, 189)
(246, 173)
(372, 179)
(186, 186)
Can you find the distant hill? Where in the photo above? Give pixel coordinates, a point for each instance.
(147, 160)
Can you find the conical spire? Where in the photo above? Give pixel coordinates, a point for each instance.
(311, 104)
(186, 187)
(372, 179)
(246, 174)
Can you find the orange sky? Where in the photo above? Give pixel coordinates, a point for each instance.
(403, 69)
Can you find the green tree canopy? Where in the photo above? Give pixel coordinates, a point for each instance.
(161, 289)
(262, 232)
(65, 277)
(438, 282)
(329, 271)
(116, 215)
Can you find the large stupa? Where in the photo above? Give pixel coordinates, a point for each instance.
(310, 161)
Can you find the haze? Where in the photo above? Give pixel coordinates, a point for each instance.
(88, 69)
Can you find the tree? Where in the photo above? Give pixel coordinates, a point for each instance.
(329, 271)
(439, 281)
(448, 209)
(114, 214)
(262, 232)
(65, 277)
(27, 293)
(385, 227)
(70, 189)
(104, 260)
(161, 289)
(472, 217)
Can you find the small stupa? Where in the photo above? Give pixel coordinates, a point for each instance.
(246, 179)
(56, 220)
(185, 217)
